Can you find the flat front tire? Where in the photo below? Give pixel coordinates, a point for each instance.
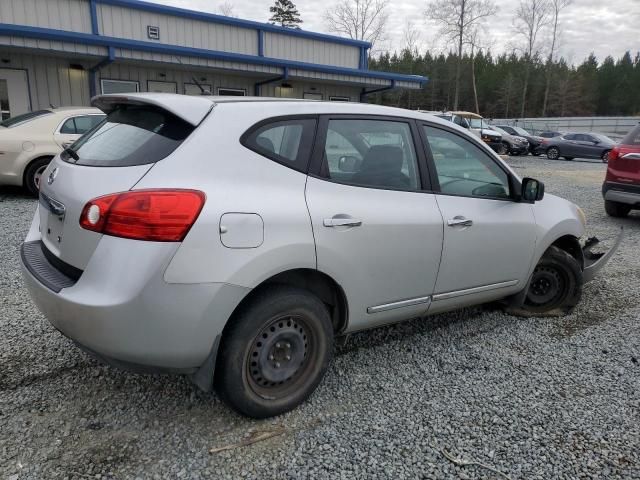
(275, 352)
(556, 284)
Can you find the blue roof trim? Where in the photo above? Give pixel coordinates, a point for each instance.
(211, 17)
(102, 41)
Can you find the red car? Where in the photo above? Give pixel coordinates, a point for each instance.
(621, 188)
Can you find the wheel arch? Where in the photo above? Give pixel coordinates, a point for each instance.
(31, 161)
(571, 245)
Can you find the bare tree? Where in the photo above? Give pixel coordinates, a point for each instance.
(556, 7)
(411, 37)
(358, 19)
(531, 17)
(226, 9)
(456, 19)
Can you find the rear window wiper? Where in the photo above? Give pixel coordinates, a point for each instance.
(72, 153)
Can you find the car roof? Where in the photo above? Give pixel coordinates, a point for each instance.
(194, 108)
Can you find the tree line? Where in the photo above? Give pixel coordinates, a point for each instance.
(607, 88)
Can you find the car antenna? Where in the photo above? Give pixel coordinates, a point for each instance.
(195, 80)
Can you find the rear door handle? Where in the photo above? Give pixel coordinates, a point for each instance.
(459, 221)
(341, 222)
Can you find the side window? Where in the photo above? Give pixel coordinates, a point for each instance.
(86, 123)
(288, 141)
(68, 127)
(463, 168)
(571, 136)
(371, 153)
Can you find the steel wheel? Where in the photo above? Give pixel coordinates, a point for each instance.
(553, 153)
(547, 286)
(279, 357)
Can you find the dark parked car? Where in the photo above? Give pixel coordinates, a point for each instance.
(534, 140)
(572, 145)
(621, 188)
(549, 134)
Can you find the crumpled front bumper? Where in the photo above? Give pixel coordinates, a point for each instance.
(594, 262)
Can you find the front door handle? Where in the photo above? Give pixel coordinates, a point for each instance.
(459, 221)
(341, 222)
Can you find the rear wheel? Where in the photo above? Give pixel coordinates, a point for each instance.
(553, 153)
(556, 284)
(605, 156)
(33, 174)
(615, 209)
(275, 352)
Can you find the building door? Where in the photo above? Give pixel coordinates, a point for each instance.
(14, 93)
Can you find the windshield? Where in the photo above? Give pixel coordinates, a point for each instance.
(520, 131)
(476, 122)
(498, 129)
(130, 135)
(25, 117)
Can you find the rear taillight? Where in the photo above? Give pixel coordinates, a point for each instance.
(155, 215)
(614, 153)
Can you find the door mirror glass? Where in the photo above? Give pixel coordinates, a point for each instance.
(532, 190)
(348, 164)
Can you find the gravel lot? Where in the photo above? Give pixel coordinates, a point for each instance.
(531, 398)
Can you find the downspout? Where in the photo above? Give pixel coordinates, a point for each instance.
(366, 92)
(96, 68)
(284, 76)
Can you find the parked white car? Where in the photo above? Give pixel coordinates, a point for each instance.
(28, 142)
(232, 238)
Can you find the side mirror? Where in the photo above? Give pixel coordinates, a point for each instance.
(532, 190)
(348, 164)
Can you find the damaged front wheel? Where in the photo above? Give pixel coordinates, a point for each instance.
(556, 284)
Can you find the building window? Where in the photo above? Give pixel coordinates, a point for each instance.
(232, 92)
(119, 86)
(154, 86)
(193, 89)
(312, 96)
(335, 98)
(153, 32)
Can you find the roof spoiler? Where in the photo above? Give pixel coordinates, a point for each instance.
(190, 109)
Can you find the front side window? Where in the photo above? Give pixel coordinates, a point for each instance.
(373, 153)
(286, 141)
(463, 168)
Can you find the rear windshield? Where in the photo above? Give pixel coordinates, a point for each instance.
(633, 137)
(25, 117)
(130, 135)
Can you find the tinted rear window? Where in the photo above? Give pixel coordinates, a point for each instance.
(633, 137)
(25, 117)
(131, 135)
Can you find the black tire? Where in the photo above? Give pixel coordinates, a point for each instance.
(503, 149)
(553, 153)
(33, 173)
(274, 353)
(556, 284)
(605, 156)
(615, 209)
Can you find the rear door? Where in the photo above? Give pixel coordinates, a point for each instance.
(489, 238)
(378, 232)
(72, 128)
(110, 159)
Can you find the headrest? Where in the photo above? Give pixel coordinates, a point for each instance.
(382, 158)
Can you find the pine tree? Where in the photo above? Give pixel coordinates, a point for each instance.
(285, 14)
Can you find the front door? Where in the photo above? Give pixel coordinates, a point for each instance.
(377, 232)
(489, 238)
(14, 93)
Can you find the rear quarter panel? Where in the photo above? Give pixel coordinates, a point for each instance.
(235, 180)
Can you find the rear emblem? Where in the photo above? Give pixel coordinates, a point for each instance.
(52, 176)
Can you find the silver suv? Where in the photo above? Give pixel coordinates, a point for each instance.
(232, 239)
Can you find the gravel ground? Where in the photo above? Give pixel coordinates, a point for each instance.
(531, 398)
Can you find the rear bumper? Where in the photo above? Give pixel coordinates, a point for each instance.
(123, 311)
(628, 194)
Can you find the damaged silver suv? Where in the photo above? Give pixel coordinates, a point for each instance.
(232, 239)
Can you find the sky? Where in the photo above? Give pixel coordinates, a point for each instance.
(604, 27)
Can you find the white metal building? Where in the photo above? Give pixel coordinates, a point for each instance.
(62, 52)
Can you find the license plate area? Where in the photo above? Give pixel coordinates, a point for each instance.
(51, 221)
